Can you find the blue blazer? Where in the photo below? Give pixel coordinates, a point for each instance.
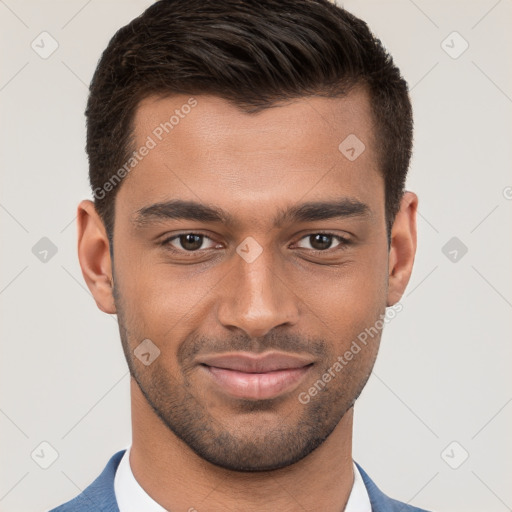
(100, 495)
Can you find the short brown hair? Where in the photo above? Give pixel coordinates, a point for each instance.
(253, 53)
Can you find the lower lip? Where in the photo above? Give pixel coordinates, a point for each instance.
(257, 386)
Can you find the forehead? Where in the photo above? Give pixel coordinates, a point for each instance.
(204, 148)
(307, 124)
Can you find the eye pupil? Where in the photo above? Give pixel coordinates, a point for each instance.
(324, 241)
(191, 242)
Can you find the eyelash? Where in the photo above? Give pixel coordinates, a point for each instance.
(344, 242)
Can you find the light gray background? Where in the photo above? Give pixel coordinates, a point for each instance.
(443, 372)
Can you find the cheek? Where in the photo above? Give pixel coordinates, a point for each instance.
(352, 302)
(159, 301)
(356, 290)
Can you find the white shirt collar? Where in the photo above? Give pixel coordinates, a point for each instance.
(131, 497)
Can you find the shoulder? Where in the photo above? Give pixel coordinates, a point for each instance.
(99, 495)
(382, 503)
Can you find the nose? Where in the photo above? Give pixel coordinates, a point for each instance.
(257, 298)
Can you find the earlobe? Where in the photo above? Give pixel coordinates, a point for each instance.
(403, 248)
(94, 256)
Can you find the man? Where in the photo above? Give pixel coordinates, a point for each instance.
(248, 161)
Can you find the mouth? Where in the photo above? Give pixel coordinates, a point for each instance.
(256, 377)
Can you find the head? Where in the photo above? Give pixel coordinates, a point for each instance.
(248, 161)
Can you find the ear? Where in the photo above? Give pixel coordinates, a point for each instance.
(403, 247)
(94, 256)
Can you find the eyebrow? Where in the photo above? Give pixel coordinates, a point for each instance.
(178, 209)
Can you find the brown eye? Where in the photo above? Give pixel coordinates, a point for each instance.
(324, 241)
(191, 242)
(320, 241)
(187, 242)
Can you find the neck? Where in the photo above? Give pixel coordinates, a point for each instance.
(178, 479)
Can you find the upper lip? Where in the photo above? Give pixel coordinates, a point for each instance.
(256, 363)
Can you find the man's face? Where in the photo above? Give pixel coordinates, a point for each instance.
(249, 285)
